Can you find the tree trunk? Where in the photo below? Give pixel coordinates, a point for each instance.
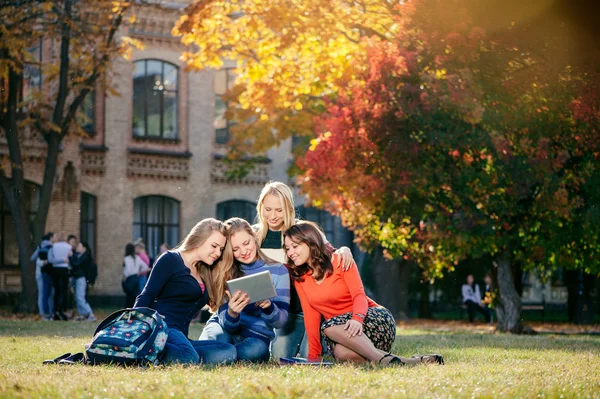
(424, 304)
(391, 284)
(508, 307)
(13, 191)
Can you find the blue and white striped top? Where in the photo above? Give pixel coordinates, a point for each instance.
(254, 321)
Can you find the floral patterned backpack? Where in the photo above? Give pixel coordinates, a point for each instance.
(128, 337)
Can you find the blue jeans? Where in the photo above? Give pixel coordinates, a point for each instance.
(80, 286)
(248, 349)
(142, 283)
(290, 340)
(47, 300)
(179, 349)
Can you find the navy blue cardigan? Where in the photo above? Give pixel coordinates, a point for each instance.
(173, 292)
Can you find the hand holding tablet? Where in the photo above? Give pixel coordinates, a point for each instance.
(257, 287)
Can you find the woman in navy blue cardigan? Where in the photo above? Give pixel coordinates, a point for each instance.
(181, 283)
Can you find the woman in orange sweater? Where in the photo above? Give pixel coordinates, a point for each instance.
(355, 327)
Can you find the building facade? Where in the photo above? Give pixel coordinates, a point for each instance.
(152, 163)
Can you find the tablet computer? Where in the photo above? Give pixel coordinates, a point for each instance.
(258, 286)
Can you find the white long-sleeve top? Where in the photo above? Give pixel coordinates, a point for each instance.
(134, 266)
(468, 293)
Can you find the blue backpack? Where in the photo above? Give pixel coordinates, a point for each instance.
(128, 337)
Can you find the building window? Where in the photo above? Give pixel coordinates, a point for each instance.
(224, 81)
(87, 220)
(155, 99)
(32, 76)
(156, 220)
(237, 208)
(336, 234)
(86, 117)
(9, 250)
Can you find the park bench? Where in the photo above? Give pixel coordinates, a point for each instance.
(541, 307)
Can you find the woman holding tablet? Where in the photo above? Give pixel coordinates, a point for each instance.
(180, 284)
(275, 210)
(355, 327)
(249, 326)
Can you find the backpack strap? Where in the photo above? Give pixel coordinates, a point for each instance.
(119, 313)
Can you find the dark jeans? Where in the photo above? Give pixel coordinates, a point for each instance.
(179, 349)
(472, 307)
(247, 348)
(60, 280)
(130, 287)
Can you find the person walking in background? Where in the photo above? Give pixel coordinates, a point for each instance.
(81, 262)
(355, 328)
(183, 281)
(472, 299)
(58, 256)
(249, 327)
(275, 212)
(133, 267)
(43, 277)
(140, 250)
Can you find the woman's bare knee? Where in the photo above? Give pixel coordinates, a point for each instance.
(342, 353)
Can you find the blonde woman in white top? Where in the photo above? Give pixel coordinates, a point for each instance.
(133, 268)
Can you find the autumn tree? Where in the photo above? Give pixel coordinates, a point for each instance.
(460, 145)
(86, 36)
(290, 56)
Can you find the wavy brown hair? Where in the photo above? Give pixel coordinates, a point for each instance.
(319, 261)
(212, 275)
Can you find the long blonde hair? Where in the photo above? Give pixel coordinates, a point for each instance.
(285, 195)
(211, 275)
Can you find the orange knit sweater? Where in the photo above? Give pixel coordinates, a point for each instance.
(339, 293)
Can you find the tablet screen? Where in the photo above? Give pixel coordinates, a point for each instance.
(258, 286)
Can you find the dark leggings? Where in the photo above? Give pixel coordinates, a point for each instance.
(472, 307)
(60, 279)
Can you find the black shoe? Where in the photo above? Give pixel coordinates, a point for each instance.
(63, 316)
(396, 361)
(58, 359)
(439, 359)
(73, 359)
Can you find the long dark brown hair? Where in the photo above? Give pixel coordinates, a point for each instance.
(319, 261)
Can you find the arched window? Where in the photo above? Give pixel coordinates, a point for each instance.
(156, 220)
(336, 234)
(9, 250)
(236, 208)
(155, 99)
(87, 220)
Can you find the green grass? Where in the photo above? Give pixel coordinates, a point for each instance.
(477, 365)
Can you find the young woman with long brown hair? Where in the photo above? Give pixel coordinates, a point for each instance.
(356, 328)
(183, 281)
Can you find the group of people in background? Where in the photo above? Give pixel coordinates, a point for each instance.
(319, 293)
(136, 268)
(62, 262)
(472, 299)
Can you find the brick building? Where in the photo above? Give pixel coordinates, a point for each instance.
(152, 164)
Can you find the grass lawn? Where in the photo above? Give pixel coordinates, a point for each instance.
(478, 364)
